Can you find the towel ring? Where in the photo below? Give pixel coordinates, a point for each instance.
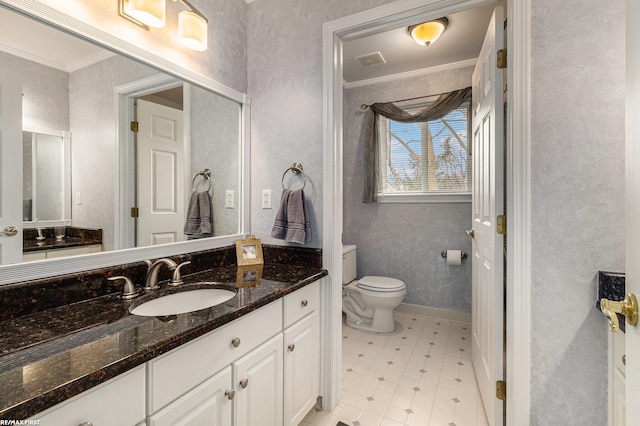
(206, 175)
(297, 169)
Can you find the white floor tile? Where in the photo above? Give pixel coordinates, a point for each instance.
(419, 375)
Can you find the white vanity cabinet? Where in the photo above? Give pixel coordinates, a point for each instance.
(258, 384)
(207, 404)
(301, 353)
(119, 401)
(60, 252)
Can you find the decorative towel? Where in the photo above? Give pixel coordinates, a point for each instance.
(292, 220)
(199, 223)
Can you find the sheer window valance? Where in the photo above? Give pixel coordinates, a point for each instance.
(445, 104)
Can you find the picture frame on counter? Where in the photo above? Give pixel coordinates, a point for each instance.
(249, 251)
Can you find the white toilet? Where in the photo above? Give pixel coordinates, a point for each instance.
(369, 302)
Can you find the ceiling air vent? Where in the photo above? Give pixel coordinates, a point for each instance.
(371, 59)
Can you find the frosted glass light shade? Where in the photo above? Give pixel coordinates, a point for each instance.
(152, 13)
(192, 30)
(428, 32)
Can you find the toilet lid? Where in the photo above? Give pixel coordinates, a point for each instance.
(381, 284)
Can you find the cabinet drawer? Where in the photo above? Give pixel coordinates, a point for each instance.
(301, 302)
(119, 401)
(180, 370)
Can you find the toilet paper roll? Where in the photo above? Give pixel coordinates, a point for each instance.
(454, 257)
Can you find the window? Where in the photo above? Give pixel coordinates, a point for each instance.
(426, 162)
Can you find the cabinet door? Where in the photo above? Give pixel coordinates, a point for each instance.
(258, 384)
(301, 368)
(208, 404)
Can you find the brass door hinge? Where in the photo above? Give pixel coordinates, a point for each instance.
(501, 390)
(134, 212)
(502, 58)
(501, 222)
(134, 126)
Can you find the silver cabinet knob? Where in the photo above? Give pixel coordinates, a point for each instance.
(244, 383)
(86, 424)
(304, 303)
(291, 347)
(230, 394)
(235, 342)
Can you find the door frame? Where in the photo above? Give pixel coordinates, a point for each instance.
(518, 363)
(125, 228)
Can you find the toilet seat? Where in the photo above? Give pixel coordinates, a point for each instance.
(380, 284)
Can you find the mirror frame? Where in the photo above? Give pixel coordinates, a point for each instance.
(46, 268)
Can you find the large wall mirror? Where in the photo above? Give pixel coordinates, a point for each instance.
(86, 167)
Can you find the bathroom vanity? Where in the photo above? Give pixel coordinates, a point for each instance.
(255, 356)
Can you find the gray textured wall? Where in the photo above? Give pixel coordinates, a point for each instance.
(285, 84)
(405, 240)
(93, 146)
(577, 199)
(215, 144)
(45, 100)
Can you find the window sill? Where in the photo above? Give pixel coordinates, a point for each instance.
(444, 197)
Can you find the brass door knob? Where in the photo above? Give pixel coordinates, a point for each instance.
(628, 307)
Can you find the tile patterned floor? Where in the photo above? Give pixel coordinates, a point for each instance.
(420, 375)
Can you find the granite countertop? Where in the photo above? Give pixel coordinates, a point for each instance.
(52, 355)
(52, 243)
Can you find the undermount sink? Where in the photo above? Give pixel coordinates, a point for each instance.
(183, 301)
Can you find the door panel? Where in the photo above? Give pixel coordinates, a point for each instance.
(487, 199)
(161, 182)
(11, 160)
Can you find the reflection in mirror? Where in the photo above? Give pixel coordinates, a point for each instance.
(93, 97)
(46, 181)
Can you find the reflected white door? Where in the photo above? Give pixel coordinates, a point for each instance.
(161, 182)
(488, 186)
(632, 208)
(11, 176)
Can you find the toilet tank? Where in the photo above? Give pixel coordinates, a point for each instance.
(348, 264)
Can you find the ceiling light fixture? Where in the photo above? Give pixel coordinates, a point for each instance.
(192, 25)
(428, 32)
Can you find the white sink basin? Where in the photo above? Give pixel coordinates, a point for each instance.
(186, 301)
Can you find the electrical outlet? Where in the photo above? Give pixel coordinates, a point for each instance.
(266, 198)
(229, 199)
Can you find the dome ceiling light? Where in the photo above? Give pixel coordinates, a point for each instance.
(428, 32)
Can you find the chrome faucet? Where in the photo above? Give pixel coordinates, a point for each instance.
(151, 282)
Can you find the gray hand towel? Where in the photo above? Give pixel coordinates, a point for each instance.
(199, 223)
(292, 220)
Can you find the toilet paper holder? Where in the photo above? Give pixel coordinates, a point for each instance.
(463, 255)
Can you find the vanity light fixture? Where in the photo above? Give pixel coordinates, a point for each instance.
(428, 32)
(192, 25)
(146, 13)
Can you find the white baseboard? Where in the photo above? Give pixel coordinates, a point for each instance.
(457, 316)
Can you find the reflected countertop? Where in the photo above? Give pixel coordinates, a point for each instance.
(52, 355)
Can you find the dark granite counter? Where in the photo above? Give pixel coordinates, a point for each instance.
(54, 354)
(611, 285)
(74, 237)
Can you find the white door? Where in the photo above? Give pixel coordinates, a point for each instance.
(11, 176)
(632, 208)
(161, 182)
(258, 383)
(487, 262)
